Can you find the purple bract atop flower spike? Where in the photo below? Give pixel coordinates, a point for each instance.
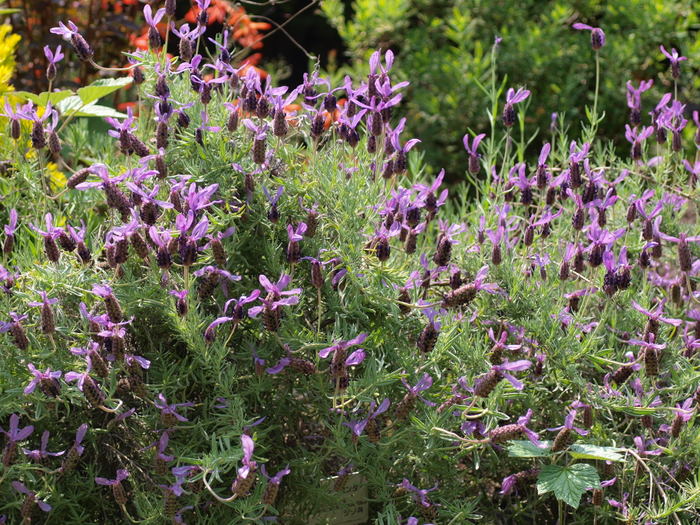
(245, 476)
(168, 412)
(70, 32)
(14, 433)
(597, 34)
(473, 152)
(31, 496)
(512, 98)
(358, 427)
(675, 59)
(485, 384)
(508, 432)
(47, 381)
(41, 453)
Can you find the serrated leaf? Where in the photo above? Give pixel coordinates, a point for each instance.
(568, 483)
(525, 449)
(582, 451)
(43, 98)
(102, 87)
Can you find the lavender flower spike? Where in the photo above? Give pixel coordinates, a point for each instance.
(512, 98)
(597, 35)
(31, 497)
(70, 32)
(675, 59)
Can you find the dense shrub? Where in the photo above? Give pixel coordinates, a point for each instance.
(240, 276)
(443, 48)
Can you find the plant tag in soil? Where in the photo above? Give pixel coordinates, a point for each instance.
(345, 507)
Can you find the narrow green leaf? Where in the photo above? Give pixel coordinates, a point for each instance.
(102, 87)
(8, 11)
(525, 449)
(568, 483)
(583, 451)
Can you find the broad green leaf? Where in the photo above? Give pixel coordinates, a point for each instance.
(74, 106)
(8, 11)
(582, 451)
(568, 483)
(43, 98)
(525, 449)
(102, 87)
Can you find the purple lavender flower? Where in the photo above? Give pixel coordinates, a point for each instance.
(509, 432)
(169, 412)
(675, 59)
(41, 454)
(154, 39)
(564, 432)
(684, 412)
(14, 434)
(273, 212)
(420, 496)
(16, 330)
(485, 384)
(31, 498)
(70, 32)
(50, 235)
(273, 484)
(409, 400)
(76, 450)
(116, 484)
(512, 98)
(10, 228)
(474, 166)
(276, 297)
(636, 137)
(47, 381)
(634, 100)
(245, 476)
(597, 35)
(294, 236)
(370, 423)
(53, 58)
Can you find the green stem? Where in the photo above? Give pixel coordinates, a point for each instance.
(597, 85)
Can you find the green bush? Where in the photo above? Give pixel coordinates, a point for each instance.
(443, 49)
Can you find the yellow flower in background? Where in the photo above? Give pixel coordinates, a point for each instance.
(8, 44)
(57, 178)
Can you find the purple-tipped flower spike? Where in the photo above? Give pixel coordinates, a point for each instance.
(30, 500)
(685, 260)
(50, 235)
(409, 400)
(684, 413)
(14, 434)
(564, 432)
(675, 59)
(270, 495)
(642, 447)
(420, 496)
(180, 301)
(276, 297)
(634, 100)
(48, 325)
(294, 236)
(53, 58)
(273, 213)
(246, 474)
(370, 423)
(10, 228)
(508, 432)
(41, 454)
(47, 381)
(112, 306)
(116, 484)
(70, 32)
(597, 35)
(512, 98)
(636, 137)
(72, 457)
(499, 345)
(509, 483)
(486, 383)
(154, 39)
(474, 166)
(169, 415)
(16, 330)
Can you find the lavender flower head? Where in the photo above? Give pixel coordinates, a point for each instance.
(22, 489)
(675, 59)
(597, 35)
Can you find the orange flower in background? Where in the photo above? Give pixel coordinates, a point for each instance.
(141, 41)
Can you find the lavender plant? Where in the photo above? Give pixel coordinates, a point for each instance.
(188, 348)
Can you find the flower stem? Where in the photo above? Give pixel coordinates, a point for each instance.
(597, 85)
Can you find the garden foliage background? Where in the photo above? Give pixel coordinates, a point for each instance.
(221, 292)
